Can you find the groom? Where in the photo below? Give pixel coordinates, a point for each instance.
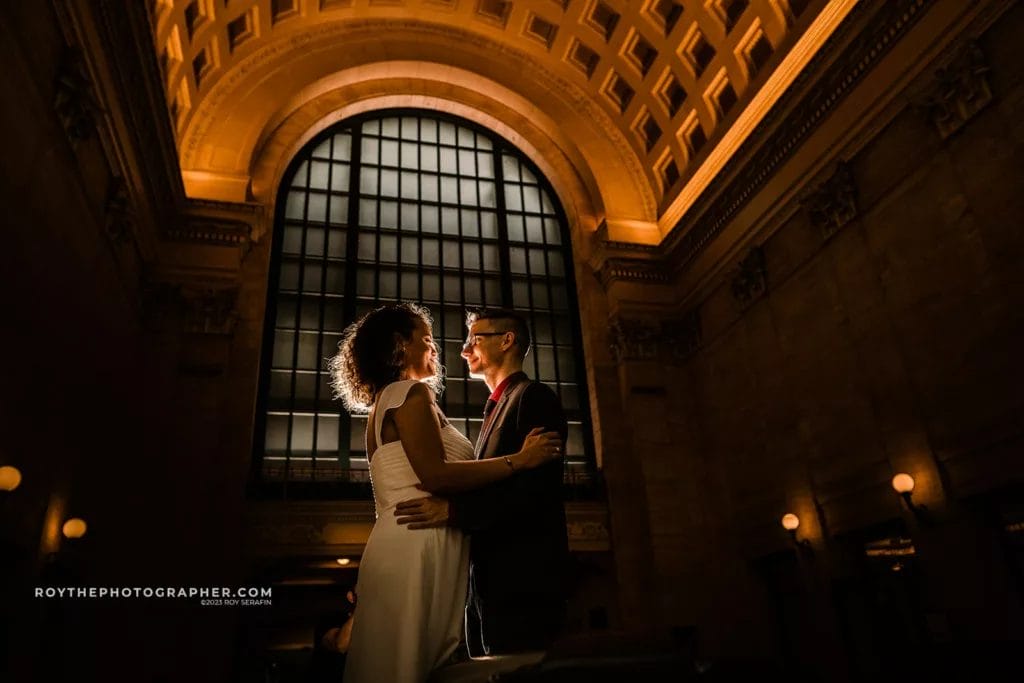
(519, 547)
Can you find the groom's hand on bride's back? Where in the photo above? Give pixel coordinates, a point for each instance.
(423, 513)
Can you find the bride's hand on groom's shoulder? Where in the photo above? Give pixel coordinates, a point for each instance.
(423, 513)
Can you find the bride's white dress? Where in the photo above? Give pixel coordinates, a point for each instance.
(412, 583)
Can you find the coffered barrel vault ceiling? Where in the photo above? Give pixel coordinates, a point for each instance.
(643, 102)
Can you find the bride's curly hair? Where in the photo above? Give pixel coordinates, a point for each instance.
(372, 351)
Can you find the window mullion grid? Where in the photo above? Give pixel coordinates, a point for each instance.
(529, 279)
(504, 258)
(377, 228)
(462, 273)
(351, 272)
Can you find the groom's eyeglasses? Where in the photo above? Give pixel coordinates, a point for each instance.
(474, 339)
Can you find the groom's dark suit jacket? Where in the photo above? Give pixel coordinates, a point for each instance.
(518, 548)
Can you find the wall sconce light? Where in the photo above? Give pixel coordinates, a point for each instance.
(10, 478)
(903, 484)
(74, 527)
(344, 561)
(790, 523)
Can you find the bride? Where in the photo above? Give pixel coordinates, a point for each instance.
(412, 584)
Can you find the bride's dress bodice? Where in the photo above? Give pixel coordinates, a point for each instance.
(391, 474)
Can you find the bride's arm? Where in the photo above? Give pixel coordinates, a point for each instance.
(420, 432)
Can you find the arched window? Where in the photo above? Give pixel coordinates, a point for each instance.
(406, 205)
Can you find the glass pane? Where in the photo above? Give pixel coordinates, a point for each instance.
(431, 287)
(428, 130)
(470, 223)
(289, 276)
(311, 275)
(509, 167)
(307, 358)
(367, 247)
(428, 188)
(428, 158)
(489, 224)
(537, 264)
(545, 203)
(388, 183)
(410, 252)
(409, 127)
(451, 254)
(338, 210)
(368, 181)
(292, 239)
(410, 217)
(517, 260)
(534, 230)
(467, 189)
(491, 259)
(315, 242)
(485, 164)
(467, 162)
(305, 386)
(516, 231)
(335, 279)
(449, 221)
(302, 433)
(388, 249)
(552, 232)
(301, 174)
(310, 313)
(487, 195)
(333, 315)
(531, 198)
(566, 363)
(559, 298)
(357, 439)
(449, 190)
(318, 174)
(410, 155)
(520, 294)
(527, 174)
(327, 434)
(285, 311)
(542, 329)
(369, 150)
(540, 295)
(545, 362)
(295, 207)
(389, 215)
(452, 287)
(471, 256)
(388, 153)
(574, 444)
(277, 432)
(556, 262)
(372, 127)
(316, 209)
(343, 146)
(366, 283)
(446, 132)
(410, 283)
(473, 291)
(466, 137)
(410, 186)
(389, 126)
(368, 213)
(283, 341)
(492, 292)
(428, 219)
(570, 395)
(448, 160)
(430, 252)
(280, 384)
(388, 283)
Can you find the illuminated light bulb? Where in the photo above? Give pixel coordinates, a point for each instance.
(10, 477)
(74, 527)
(790, 522)
(903, 483)
(343, 561)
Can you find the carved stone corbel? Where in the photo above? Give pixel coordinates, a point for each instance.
(74, 101)
(750, 280)
(960, 92)
(633, 339)
(832, 204)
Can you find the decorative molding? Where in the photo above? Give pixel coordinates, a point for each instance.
(634, 339)
(601, 237)
(649, 271)
(713, 212)
(832, 204)
(750, 280)
(192, 309)
(961, 90)
(74, 100)
(220, 233)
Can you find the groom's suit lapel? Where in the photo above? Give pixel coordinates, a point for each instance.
(498, 416)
